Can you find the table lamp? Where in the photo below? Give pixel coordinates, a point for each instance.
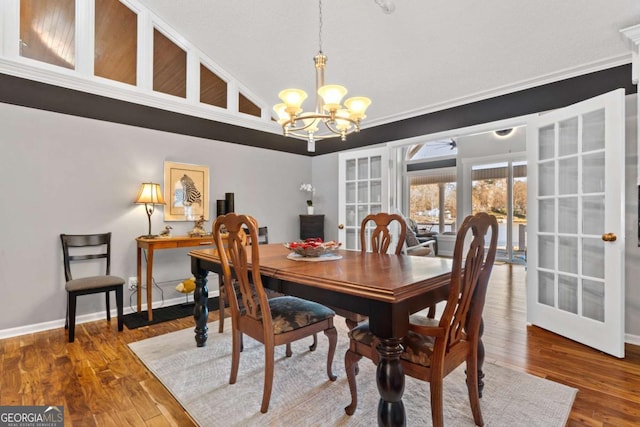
(150, 195)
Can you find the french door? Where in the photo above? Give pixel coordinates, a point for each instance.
(575, 280)
(363, 177)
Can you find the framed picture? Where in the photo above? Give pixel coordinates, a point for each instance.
(186, 192)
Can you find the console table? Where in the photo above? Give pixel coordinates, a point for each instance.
(158, 243)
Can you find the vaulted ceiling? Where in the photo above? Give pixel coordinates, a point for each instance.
(424, 56)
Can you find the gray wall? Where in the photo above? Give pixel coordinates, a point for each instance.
(65, 174)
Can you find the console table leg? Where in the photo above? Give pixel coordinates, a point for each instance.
(201, 310)
(390, 379)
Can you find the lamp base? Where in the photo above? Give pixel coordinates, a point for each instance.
(148, 236)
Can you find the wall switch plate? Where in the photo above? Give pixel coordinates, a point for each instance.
(132, 283)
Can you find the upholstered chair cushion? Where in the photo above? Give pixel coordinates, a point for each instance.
(93, 282)
(289, 313)
(417, 348)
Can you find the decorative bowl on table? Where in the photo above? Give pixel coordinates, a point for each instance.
(313, 247)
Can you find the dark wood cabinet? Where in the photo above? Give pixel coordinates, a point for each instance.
(311, 226)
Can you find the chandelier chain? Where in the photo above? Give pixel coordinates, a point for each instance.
(320, 27)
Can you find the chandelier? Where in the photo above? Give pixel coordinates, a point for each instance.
(330, 119)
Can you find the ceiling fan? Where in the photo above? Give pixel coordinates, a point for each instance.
(449, 144)
(433, 149)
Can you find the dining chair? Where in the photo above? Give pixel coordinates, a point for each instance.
(376, 240)
(222, 296)
(273, 322)
(263, 239)
(434, 348)
(99, 248)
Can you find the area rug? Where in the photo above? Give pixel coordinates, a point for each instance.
(164, 314)
(303, 396)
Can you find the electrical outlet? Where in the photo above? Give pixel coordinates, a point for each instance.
(132, 283)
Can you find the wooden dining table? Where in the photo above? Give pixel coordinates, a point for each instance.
(386, 288)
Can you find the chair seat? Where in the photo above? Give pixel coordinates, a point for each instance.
(93, 282)
(290, 313)
(417, 348)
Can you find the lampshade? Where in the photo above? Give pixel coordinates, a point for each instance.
(150, 192)
(332, 96)
(357, 106)
(293, 99)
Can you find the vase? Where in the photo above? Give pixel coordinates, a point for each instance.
(309, 210)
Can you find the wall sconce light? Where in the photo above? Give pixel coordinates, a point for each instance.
(150, 195)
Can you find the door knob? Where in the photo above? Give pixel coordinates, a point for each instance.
(609, 237)
(341, 226)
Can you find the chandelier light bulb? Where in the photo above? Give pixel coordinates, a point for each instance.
(342, 120)
(281, 112)
(357, 106)
(332, 96)
(293, 98)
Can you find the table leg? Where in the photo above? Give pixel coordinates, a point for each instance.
(201, 310)
(390, 379)
(149, 283)
(139, 277)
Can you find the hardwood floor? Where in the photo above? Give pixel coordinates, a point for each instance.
(100, 382)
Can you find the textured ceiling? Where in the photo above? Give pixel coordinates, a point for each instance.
(423, 57)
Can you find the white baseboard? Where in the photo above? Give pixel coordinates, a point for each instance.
(84, 318)
(632, 339)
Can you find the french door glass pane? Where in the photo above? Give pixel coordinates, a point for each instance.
(363, 192)
(350, 196)
(593, 299)
(567, 256)
(546, 288)
(593, 173)
(593, 257)
(546, 142)
(352, 239)
(567, 212)
(547, 215)
(376, 167)
(593, 131)
(376, 191)
(547, 252)
(350, 170)
(568, 137)
(351, 216)
(568, 176)
(568, 293)
(546, 179)
(592, 214)
(363, 168)
(363, 211)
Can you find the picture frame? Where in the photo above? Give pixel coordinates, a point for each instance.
(186, 191)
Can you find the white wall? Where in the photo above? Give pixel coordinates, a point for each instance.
(66, 174)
